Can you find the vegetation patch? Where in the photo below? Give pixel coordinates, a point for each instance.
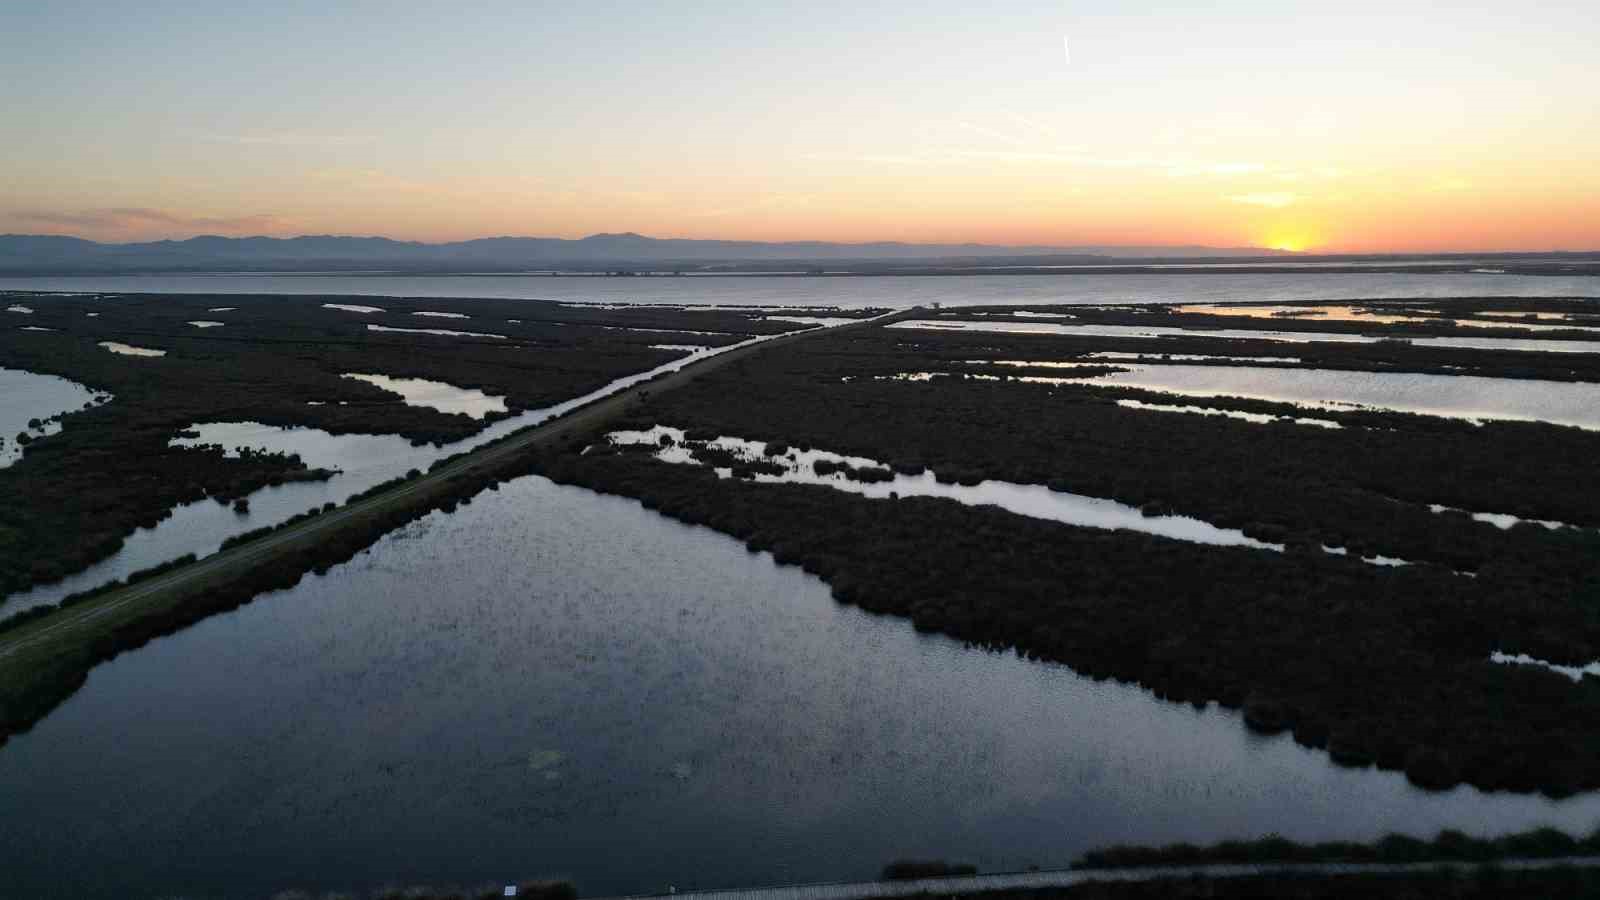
(1452, 846)
(1480, 883)
(912, 869)
(1378, 665)
(74, 496)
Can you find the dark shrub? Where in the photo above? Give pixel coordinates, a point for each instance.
(910, 869)
(1266, 716)
(1432, 769)
(547, 890)
(1351, 747)
(1400, 848)
(1544, 842)
(869, 474)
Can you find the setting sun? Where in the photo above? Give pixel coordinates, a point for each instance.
(1291, 240)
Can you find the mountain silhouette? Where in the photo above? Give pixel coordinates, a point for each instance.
(625, 250)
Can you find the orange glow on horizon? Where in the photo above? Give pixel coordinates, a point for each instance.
(1007, 205)
(1247, 125)
(1292, 239)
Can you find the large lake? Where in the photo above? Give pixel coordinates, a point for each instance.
(855, 291)
(554, 682)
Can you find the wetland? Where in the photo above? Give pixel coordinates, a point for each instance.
(1027, 606)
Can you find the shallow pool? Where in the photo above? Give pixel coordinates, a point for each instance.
(26, 397)
(446, 398)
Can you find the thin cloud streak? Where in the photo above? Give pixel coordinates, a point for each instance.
(286, 139)
(139, 221)
(1271, 199)
(1175, 168)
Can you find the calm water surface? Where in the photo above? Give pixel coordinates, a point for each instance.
(1472, 397)
(26, 396)
(1554, 345)
(446, 398)
(1033, 500)
(552, 682)
(858, 291)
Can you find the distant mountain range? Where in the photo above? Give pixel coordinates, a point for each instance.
(627, 251)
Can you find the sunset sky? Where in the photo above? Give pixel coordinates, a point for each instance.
(1335, 127)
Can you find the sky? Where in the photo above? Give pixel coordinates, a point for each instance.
(1350, 127)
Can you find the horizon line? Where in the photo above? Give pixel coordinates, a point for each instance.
(1064, 248)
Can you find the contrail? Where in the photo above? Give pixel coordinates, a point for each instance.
(1066, 47)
